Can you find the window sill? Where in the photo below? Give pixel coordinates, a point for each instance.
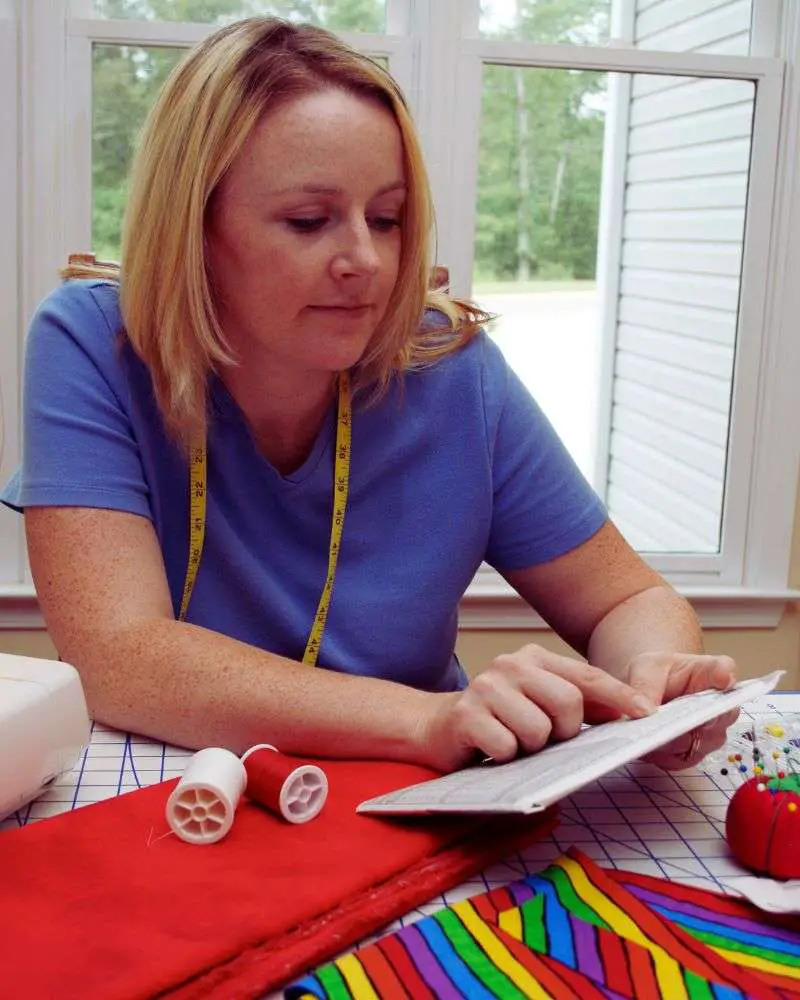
(19, 608)
(490, 605)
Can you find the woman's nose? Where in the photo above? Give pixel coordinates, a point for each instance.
(357, 254)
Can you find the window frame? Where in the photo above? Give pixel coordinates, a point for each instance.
(745, 584)
(767, 77)
(11, 555)
(436, 53)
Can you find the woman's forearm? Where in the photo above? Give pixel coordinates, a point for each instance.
(656, 619)
(195, 688)
(100, 579)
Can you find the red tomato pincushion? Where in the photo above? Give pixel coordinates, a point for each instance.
(762, 825)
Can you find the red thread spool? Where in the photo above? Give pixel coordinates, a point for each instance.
(293, 789)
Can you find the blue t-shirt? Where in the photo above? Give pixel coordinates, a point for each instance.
(456, 466)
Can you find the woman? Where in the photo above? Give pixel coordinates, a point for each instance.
(197, 539)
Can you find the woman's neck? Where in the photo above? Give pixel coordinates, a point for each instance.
(284, 414)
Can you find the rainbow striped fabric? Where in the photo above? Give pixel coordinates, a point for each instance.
(581, 932)
(743, 935)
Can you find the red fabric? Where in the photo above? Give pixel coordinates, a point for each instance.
(93, 905)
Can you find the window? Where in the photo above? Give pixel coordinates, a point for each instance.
(544, 135)
(579, 22)
(337, 15)
(675, 192)
(10, 342)
(125, 81)
(613, 178)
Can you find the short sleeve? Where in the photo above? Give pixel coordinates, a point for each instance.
(79, 448)
(543, 507)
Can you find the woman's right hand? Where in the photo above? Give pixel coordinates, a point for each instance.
(518, 704)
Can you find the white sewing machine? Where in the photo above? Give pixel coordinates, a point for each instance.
(44, 725)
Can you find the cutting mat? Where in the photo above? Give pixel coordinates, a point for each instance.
(638, 818)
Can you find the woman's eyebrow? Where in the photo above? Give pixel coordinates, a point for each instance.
(332, 190)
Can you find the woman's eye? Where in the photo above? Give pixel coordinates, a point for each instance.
(306, 224)
(384, 223)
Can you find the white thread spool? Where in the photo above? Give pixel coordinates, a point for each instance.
(202, 805)
(297, 793)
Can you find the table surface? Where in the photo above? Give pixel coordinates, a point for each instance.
(637, 818)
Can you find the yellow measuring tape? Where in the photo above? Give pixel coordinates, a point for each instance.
(197, 519)
(198, 475)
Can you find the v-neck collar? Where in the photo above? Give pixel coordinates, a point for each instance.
(224, 407)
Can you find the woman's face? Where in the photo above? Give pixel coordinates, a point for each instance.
(304, 233)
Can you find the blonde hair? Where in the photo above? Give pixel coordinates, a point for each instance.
(205, 112)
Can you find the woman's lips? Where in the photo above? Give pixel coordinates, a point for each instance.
(343, 309)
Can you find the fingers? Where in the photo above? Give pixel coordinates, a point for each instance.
(727, 720)
(528, 698)
(478, 729)
(532, 696)
(522, 679)
(533, 704)
(691, 748)
(711, 672)
(664, 676)
(598, 688)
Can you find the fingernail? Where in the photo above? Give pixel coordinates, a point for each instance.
(643, 705)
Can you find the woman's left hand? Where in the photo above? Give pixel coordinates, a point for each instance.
(664, 676)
